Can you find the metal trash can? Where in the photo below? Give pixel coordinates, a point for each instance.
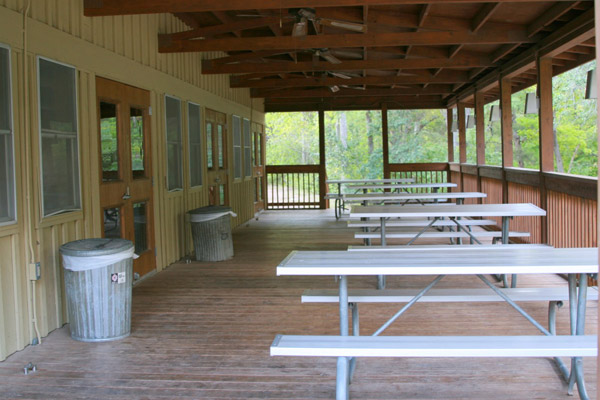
(98, 281)
(211, 231)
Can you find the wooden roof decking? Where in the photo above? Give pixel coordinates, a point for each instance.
(203, 331)
(366, 54)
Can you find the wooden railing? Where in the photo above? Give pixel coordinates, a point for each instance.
(421, 173)
(294, 187)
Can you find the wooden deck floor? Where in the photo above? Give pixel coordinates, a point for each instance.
(203, 330)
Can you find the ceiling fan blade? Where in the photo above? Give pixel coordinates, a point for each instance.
(300, 28)
(353, 55)
(351, 26)
(334, 88)
(307, 13)
(353, 87)
(340, 75)
(326, 54)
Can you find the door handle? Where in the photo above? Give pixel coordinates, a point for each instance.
(126, 196)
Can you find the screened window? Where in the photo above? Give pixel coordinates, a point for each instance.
(174, 143)
(195, 143)
(7, 177)
(237, 147)
(247, 149)
(59, 135)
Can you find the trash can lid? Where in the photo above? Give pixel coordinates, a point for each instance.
(210, 210)
(95, 247)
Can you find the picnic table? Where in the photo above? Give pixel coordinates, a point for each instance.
(468, 261)
(452, 212)
(339, 204)
(405, 197)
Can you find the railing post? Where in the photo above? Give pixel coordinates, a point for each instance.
(462, 141)
(322, 166)
(507, 132)
(546, 132)
(449, 121)
(479, 136)
(385, 141)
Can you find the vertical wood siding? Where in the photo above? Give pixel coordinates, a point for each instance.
(470, 185)
(493, 189)
(518, 193)
(572, 221)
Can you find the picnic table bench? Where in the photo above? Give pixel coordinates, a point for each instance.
(505, 259)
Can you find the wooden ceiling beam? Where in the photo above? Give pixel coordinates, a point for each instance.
(483, 15)
(214, 30)
(549, 16)
(447, 76)
(485, 36)
(346, 92)
(357, 97)
(93, 8)
(503, 51)
(464, 61)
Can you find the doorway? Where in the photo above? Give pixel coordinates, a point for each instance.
(258, 165)
(216, 158)
(126, 168)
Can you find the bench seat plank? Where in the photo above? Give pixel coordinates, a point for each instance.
(435, 346)
(442, 295)
(437, 234)
(444, 247)
(420, 222)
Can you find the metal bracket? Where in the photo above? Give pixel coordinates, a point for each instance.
(29, 368)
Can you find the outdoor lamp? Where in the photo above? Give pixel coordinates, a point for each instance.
(591, 90)
(470, 121)
(495, 113)
(532, 104)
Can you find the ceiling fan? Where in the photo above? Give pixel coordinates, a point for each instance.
(303, 15)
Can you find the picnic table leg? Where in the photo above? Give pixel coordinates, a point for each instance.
(578, 328)
(505, 222)
(355, 332)
(343, 376)
(381, 278)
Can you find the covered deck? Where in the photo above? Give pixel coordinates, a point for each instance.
(202, 331)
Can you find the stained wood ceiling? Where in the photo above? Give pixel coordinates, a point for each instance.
(349, 54)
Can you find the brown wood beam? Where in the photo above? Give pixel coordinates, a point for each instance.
(322, 160)
(256, 56)
(464, 61)
(356, 98)
(333, 104)
(417, 78)
(506, 122)
(462, 134)
(167, 38)
(385, 138)
(549, 16)
(483, 15)
(120, 7)
(450, 134)
(349, 92)
(485, 36)
(503, 51)
(546, 126)
(479, 128)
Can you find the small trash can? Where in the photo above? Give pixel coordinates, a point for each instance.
(98, 280)
(211, 232)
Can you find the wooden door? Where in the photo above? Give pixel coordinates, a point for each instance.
(126, 168)
(258, 164)
(216, 158)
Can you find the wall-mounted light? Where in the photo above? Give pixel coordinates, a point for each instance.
(470, 121)
(591, 90)
(495, 113)
(454, 126)
(532, 104)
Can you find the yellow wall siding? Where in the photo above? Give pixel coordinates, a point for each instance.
(124, 49)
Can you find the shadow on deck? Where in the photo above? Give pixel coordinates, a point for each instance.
(203, 330)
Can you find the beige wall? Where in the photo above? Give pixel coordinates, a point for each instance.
(119, 48)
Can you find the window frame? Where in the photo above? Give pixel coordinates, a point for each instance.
(180, 188)
(236, 122)
(247, 138)
(12, 210)
(77, 207)
(201, 144)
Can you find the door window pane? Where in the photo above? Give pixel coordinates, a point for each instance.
(237, 147)
(112, 223)
(247, 149)
(254, 148)
(109, 141)
(140, 227)
(58, 121)
(136, 128)
(174, 144)
(195, 144)
(222, 195)
(220, 147)
(7, 186)
(209, 146)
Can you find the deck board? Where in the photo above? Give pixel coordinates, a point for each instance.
(203, 331)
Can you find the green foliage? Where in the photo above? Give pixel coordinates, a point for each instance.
(417, 136)
(292, 138)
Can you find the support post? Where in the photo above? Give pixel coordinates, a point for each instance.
(462, 141)
(479, 136)
(546, 132)
(322, 168)
(507, 132)
(385, 142)
(449, 121)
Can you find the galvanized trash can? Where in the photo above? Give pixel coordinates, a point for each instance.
(98, 280)
(211, 231)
